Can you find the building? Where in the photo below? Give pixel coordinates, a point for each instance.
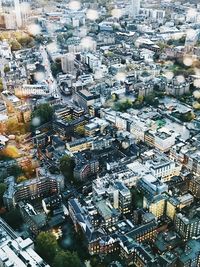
(86, 98)
(93, 62)
(15, 251)
(75, 209)
(80, 144)
(76, 44)
(31, 189)
(67, 63)
(85, 167)
(151, 187)
(92, 129)
(190, 255)
(162, 167)
(144, 232)
(32, 90)
(108, 214)
(194, 162)
(116, 192)
(134, 8)
(157, 206)
(194, 186)
(124, 197)
(35, 221)
(144, 257)
(171, 207)
(160, 140)
(135, 253)
(100, 143)
(11, 101)
(16, 13)
(188, 226)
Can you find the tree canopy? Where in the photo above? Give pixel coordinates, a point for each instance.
(42, 114)
(123, 105)
(6, 68)
(15, 45)
(47, 247)
(67, 165)
(56, 68)
(80, 130)
(66, 259)
(14, 218)
(1, 85)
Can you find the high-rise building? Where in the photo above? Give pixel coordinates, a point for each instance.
(18, 13)
(67, 62)
(15, 13)
(135, 8)
(1, 10)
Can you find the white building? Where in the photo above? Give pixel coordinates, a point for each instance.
(162, 167)
(67, 63)
(134, 8)
(157, 15)
(10, 21)
(138, 129)
(15, 251)
(164, 141)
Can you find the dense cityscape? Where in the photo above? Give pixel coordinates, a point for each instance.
(99, 133)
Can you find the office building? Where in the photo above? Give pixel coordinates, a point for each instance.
(67, 63)
(194, 186)
(86, 98)
(157, 206)
(134, 8)
(188, 226)
(162, 167)
(190, 254)
(15, 251)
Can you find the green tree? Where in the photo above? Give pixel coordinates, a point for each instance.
(40, 38)
(2, 190)
(66, 259)
(67, 165)
(14, 170)
(196, 105)
(42, 114)
(80, 130)
(14, 218)
(6, 68)
(25, 41)
(115, 97)
(21, 178)
(46, 246)
(12, 126)
(15, 45)
(138, 102)
(182, 40)
(123, 105)
(151, 99)
(187, 117)
(56, 68)
(1, 85)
